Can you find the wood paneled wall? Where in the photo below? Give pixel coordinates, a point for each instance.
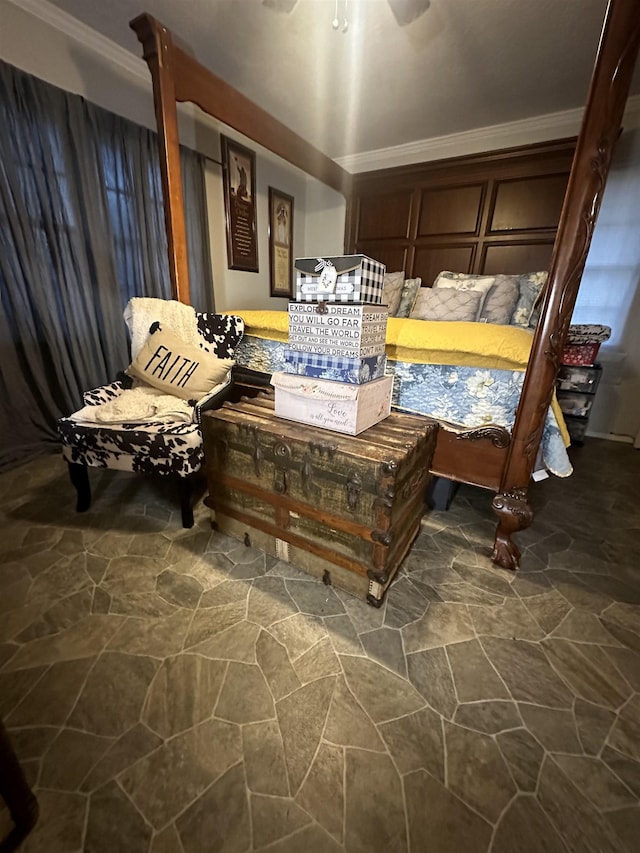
(487, 213)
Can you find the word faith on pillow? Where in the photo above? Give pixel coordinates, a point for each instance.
(174, 369)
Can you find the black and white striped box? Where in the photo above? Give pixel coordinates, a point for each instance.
(348, 278)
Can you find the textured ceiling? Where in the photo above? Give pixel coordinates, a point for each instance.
(463, 65)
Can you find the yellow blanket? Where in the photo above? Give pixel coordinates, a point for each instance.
(430, 342)
(425, 341)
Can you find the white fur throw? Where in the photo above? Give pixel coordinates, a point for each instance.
(137, 405)
(142, 312)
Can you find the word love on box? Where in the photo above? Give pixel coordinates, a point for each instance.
(332, 405)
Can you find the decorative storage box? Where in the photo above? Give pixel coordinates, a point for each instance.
(354, 371)
(576, 389)
(577, 405)
(349, 278)
(580, 354)
(575, 379)
(583, 343)
(353, 330)
(342, 508)
(576, 427)
(332, 405)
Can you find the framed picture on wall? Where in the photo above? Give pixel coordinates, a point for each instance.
(280, 243)
(239, 179)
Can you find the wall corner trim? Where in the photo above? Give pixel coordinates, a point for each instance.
(544, 128)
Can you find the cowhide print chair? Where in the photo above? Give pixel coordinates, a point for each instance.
(159, 445)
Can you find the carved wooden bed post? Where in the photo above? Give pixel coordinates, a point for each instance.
(158, 52)
(601, 125)
(177, 77)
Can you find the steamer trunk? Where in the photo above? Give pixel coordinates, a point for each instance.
(343, 508)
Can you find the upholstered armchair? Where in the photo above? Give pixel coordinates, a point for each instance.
(148, 421)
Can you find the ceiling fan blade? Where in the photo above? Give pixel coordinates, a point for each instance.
(280, 5)
(406, 11)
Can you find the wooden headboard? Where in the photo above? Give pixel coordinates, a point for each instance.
(486, 213)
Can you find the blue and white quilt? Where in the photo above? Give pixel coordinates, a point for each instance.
(469, 396)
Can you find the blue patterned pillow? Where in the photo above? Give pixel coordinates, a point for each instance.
(408, 296)
(526, 312)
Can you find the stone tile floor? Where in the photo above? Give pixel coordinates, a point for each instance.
(174, 691)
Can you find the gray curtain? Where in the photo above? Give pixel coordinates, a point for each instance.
(82, 231)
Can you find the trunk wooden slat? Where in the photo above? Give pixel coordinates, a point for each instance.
(343, 508)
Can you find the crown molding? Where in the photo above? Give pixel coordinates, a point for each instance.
(543, 128)
(86, 36)
(509, 135)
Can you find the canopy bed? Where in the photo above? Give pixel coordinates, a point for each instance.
(493, 457)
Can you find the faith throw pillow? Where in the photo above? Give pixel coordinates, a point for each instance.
(177, 367)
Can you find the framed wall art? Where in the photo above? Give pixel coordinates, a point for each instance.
(239, 179)
(280, 243)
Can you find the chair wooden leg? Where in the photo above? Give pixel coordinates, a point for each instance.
(191, 488)
(80, 480)
(186, 499)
